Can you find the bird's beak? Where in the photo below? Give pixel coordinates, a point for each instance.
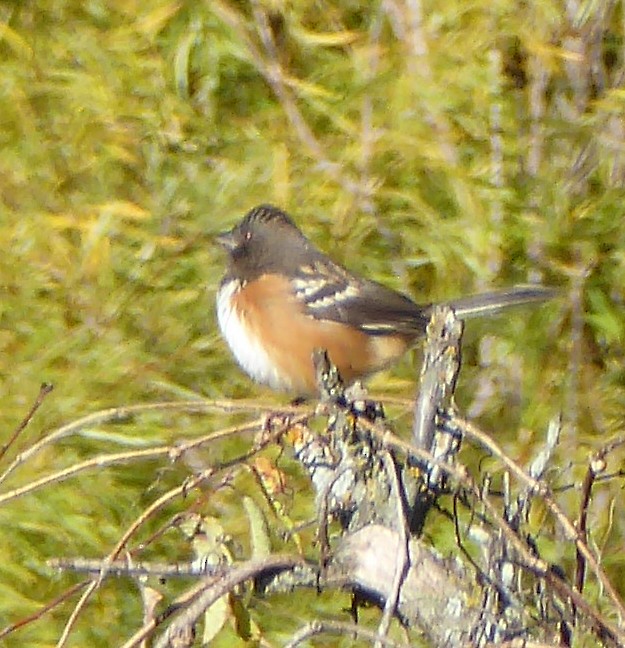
(227, 240)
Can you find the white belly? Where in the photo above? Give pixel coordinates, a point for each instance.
(243, 343)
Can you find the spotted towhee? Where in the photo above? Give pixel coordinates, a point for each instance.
(282, 298)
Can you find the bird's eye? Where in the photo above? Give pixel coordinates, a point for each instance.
(248, 235)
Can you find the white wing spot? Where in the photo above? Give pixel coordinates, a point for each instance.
(349, 292)
(308, 287)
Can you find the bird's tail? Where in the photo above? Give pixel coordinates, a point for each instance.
(493, 302)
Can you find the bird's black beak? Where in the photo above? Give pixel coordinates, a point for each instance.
(227, 240)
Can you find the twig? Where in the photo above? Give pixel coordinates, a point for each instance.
(122, 414)
(420, 68)
(337, 628)
(44, 390)
(401, 560)
(120, 458)
(540, 488)
(206, 594)
(268, 65)
(367, 129)
(69, 624)
(127, 567)
(496, 159)
(42, 611)
(539, 79)
(596, 466)
(438, 374)
(578, 322)
(180, 490)
(531, 562)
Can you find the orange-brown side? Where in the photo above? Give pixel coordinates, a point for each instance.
(274, 316)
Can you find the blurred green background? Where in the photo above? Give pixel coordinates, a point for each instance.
(440, 147)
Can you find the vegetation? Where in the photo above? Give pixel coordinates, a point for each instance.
(439, 147)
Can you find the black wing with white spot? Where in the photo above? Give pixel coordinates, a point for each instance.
(331, 293)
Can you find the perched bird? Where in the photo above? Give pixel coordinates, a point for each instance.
(282, 298)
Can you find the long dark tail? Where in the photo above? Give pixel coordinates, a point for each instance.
(492, 302)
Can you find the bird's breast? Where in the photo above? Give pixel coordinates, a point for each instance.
(238, 328)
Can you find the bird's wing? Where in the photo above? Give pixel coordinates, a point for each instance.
(329, 292)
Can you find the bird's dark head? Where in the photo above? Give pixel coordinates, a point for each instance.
(265, 241)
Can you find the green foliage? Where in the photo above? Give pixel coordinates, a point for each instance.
(477, 145)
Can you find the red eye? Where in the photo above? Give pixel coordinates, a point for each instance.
(248, 236)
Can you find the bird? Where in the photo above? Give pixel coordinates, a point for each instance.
(282, 298)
